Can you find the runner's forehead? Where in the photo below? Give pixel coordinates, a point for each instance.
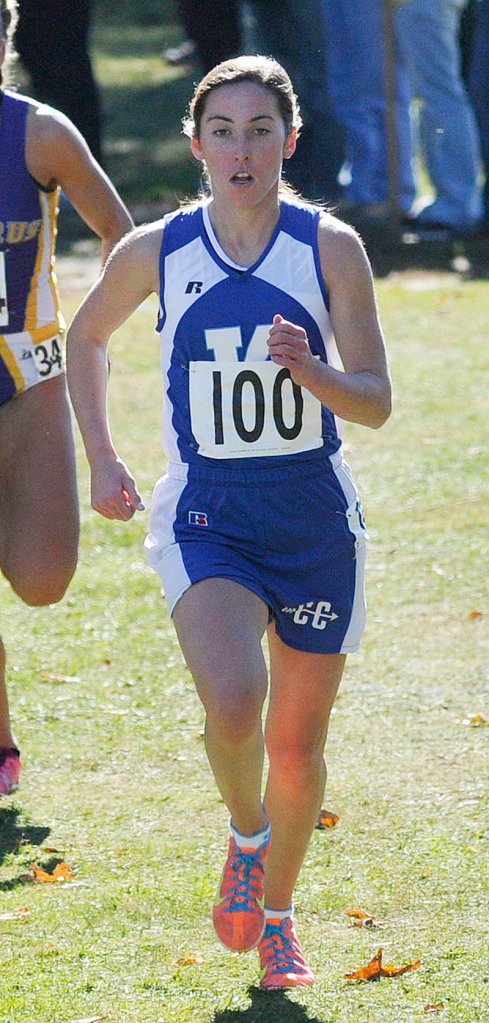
(226, 117)
(239, 100)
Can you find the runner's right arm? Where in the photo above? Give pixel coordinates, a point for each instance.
(131, 274)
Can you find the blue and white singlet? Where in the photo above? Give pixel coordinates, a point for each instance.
(257, 490)
(225, 399)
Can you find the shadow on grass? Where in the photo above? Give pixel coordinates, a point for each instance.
(14, 833)
(267, 1007)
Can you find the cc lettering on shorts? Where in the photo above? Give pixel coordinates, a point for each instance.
(317, 614)
(197, 518)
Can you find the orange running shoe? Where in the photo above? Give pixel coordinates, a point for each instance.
(282, 962)
(9, 770)
(238, 915)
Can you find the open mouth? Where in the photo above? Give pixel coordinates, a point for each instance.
(242, 178)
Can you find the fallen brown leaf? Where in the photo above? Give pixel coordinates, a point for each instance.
(48, 677)
(16, 914)
(369, 972)
(371, 921)
(475, 614)
(396, 971)
(374, 969)
(61, 872)
(362, 919)
(327, 819)
(187, 960)
(434, 1008)
(89, 1019)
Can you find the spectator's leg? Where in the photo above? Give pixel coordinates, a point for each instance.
(357, 83)
(479, 89)
(427, 33)
(52, 40)
(295, 34)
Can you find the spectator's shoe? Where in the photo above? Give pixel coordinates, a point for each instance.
(282, 962)
(376, 214)
(238, 915)
(9, 770)
(427, 230)
(186, 53)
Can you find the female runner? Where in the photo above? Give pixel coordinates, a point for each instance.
(257, 525)
(40, 151)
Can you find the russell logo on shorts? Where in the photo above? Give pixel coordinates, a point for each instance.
(197, 518)
(316, 613)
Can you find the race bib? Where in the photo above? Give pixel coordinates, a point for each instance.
(48, 358)
(251, 409)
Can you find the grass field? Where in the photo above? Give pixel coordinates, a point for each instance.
(116, 782)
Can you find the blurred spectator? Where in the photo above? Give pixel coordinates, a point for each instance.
(427, 33)
(466, 36)
(478, 78)
(52, 41)
(295, 34)
(213, 31)
(356, 56)
(184, 53)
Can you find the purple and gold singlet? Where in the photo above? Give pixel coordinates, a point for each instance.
(30, 318)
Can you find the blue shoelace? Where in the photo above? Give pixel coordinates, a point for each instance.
(245, 890)
(282, 949)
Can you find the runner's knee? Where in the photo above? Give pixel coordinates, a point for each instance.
(235, 719)
(44, 586)
(299, 763)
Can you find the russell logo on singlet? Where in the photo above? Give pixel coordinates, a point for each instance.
(316, 613)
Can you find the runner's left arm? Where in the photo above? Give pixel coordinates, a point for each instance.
(362, 392)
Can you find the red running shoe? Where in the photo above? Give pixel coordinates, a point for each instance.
(282, 962)
(238, 915)
(9, 770)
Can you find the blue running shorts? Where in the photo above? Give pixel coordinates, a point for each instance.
(294, 535)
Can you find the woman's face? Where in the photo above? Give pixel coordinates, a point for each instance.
(243, 142)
